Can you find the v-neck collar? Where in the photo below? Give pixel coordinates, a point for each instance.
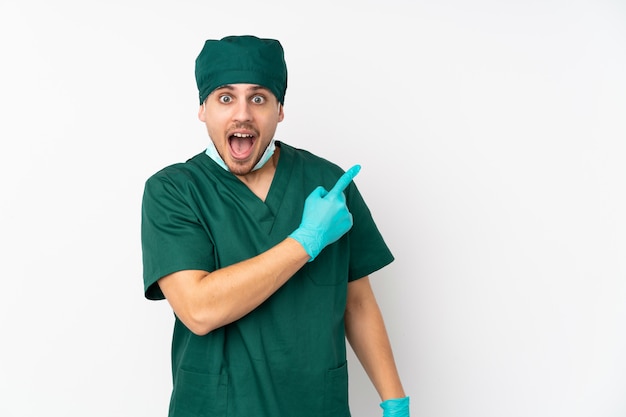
(279, 184)
(264, 212)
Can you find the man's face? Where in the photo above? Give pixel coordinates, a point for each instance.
(241, 120)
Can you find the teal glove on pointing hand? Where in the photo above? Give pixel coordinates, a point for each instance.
(397, 407)
(325, 217)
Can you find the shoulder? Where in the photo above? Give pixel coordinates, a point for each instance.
(179, 173)
(311, 162)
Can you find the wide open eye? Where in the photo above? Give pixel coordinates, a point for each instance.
(225, 99)
(258, 99)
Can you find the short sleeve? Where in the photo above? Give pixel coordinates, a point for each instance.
(368, 250)
(172, 236)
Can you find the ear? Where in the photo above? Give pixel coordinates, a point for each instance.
(281, 113)
(201, 113)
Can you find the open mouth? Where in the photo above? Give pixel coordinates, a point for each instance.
(241, 144)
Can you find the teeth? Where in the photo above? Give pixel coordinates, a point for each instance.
(242, 135)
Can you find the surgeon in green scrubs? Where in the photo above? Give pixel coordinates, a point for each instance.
(264, 252)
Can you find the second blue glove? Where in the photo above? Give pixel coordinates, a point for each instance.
(325, 217)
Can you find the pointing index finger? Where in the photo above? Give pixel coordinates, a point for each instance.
(345, 179)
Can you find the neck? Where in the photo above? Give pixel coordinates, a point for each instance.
(260, 180)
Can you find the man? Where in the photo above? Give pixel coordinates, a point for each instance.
(263, 251)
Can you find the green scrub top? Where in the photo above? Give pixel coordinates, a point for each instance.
(288, 356)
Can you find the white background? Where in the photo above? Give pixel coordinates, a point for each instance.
(492, 136)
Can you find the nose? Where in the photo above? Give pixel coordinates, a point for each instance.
(243, 111)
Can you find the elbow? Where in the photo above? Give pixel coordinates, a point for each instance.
(199, 323)
(199, 329)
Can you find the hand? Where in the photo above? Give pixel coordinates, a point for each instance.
(397, 407)
(325, 217)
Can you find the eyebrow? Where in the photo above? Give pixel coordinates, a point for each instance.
(255, 87)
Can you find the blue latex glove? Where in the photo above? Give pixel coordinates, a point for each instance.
(325, 217)
(397, 407)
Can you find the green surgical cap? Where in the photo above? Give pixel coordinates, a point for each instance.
(241, 59)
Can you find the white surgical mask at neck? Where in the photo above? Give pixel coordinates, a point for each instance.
(212, 153)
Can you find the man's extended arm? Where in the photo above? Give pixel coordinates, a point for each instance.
(204, 301)
(366, 332)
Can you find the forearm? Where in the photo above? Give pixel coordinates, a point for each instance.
(366, 332)
(205, 301)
